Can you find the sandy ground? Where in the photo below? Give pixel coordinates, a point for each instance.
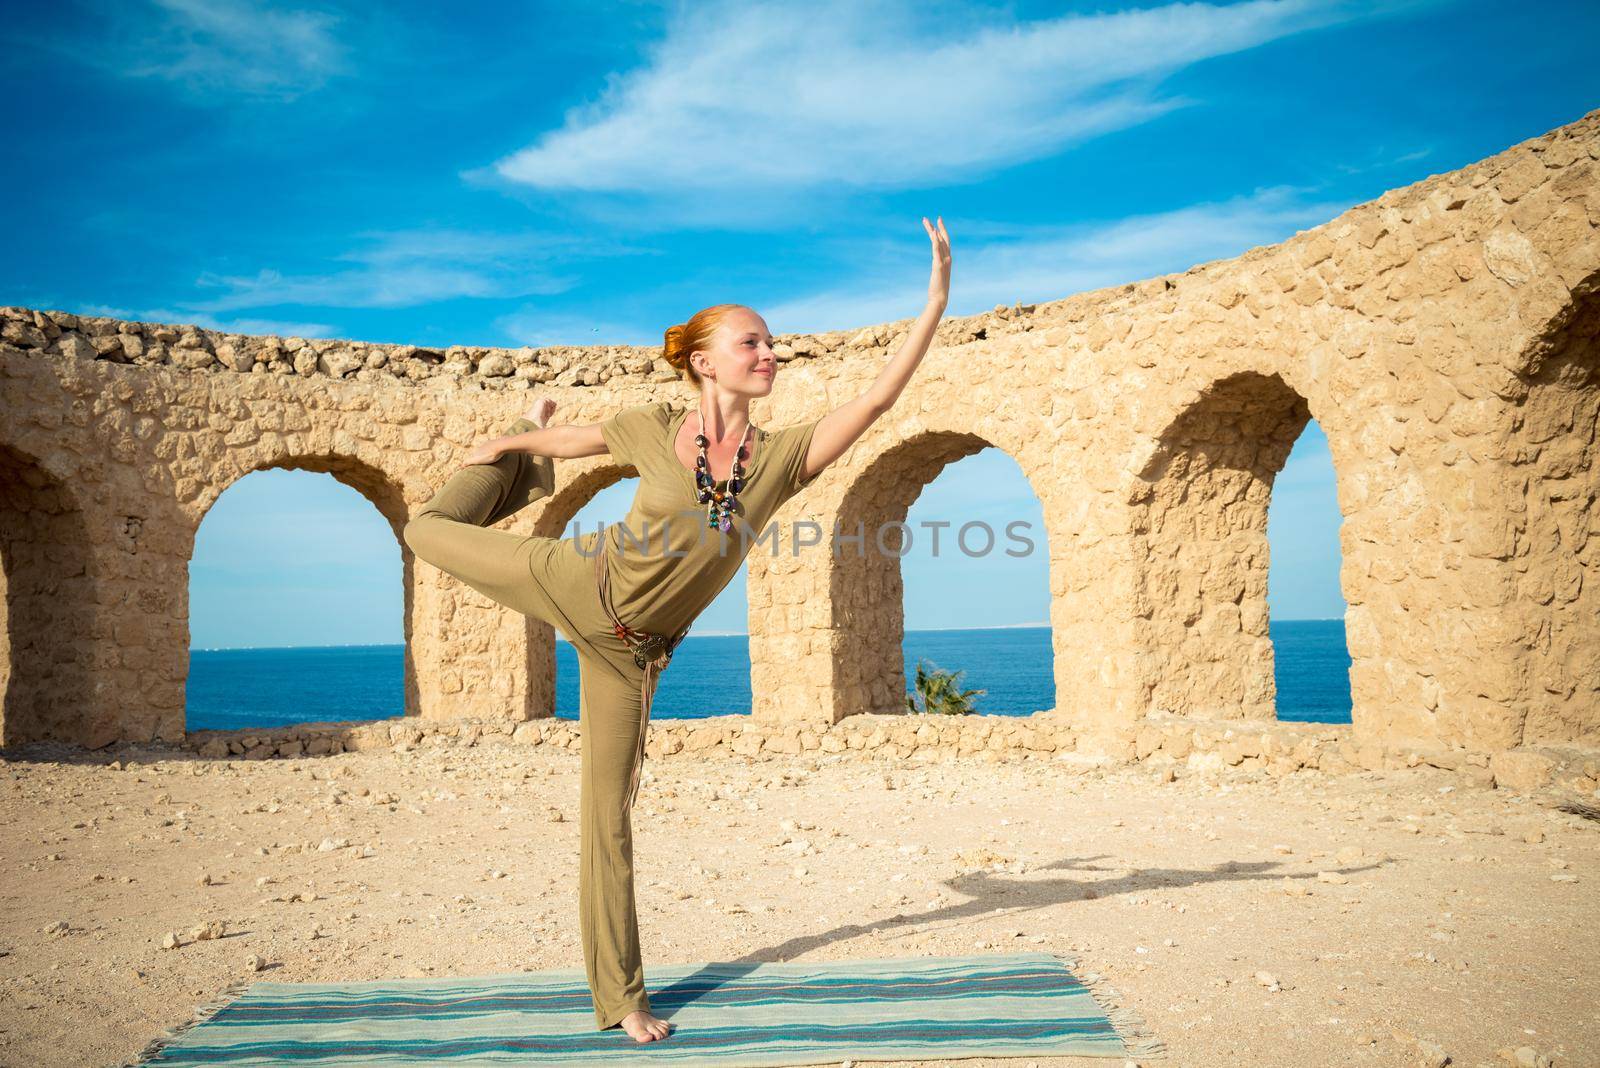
(1462, 921)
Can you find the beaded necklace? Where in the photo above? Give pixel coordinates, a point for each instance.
(719, 505)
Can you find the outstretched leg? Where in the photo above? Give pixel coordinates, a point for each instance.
(450, 532)
(609, 721)
(484, 494)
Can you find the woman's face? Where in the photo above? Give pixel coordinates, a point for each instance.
(742, 358)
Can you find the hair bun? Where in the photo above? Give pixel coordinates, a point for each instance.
(673, 349)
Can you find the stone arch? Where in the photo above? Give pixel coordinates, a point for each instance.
(56, 647)
(375, 486)
(866, 588)
(1199, 523)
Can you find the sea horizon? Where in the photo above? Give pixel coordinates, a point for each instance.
(692, 634)
(1007, 671)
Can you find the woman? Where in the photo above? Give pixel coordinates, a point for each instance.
(626, 601)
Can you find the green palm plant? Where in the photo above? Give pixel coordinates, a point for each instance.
(938, 694)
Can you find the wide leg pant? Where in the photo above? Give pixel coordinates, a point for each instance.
(549, 578)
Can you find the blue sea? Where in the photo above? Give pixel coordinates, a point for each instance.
(231, 689)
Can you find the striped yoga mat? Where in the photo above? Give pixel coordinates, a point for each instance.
(747, 1014)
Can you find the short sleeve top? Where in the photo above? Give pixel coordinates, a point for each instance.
(666, 564)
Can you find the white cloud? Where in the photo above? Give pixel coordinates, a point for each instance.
(1005, 263)
(398, 286)
(219, 49)
(407, 268)
(739, 95)
(1383, 159)
(189, 317)
(538, 327)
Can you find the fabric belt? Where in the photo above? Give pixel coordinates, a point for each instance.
(652, 652)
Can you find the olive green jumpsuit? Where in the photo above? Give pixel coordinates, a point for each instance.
(664, 566)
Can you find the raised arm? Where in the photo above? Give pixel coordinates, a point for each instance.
(839, 429)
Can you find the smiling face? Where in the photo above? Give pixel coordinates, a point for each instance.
(741, 359)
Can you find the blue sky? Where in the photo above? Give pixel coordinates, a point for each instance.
(589, 173)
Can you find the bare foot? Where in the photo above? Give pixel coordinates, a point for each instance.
(645, 1027)
(541, 411)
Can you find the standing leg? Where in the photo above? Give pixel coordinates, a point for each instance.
(609, 722)
(548, 578)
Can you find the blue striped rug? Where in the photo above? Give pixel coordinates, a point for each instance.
(747, 1014)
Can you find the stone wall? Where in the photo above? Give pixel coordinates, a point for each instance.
(1442, 335)
(1173, 745)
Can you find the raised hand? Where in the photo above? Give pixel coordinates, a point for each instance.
(485, 452)
(939, 283)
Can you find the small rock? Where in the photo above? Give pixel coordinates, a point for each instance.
(1431, 1055)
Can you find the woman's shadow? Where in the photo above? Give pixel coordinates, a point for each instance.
(985, 894)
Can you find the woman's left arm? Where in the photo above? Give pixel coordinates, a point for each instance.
(838, 430)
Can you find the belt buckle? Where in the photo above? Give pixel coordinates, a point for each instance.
(650, 647)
